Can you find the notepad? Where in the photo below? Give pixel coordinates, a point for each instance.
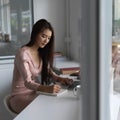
(61, 92)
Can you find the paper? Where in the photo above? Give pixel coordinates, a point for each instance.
(62, 92)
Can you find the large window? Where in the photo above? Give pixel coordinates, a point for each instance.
(15, 25)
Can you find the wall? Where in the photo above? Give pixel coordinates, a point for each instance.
(75, 31)
(53, 11)
(6, 68)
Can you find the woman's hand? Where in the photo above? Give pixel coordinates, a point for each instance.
(66, 81)
(54, 88)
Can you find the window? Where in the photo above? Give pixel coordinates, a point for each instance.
(15, 25)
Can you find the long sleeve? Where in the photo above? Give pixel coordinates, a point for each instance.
(53, 75)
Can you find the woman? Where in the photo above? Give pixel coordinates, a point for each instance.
(33, 60)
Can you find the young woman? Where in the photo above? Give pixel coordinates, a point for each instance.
(33, 60)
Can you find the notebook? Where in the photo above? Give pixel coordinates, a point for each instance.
(61, 92)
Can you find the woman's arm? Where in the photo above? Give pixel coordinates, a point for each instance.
(49, 89)
(24, 69)
(22, 62)
(57, 78)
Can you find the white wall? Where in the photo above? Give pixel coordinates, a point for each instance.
(75, 31)
(5, 86)
(53, 11)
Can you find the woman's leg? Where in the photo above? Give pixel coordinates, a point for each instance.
(19, 102)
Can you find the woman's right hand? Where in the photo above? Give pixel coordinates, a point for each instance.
(54, 88)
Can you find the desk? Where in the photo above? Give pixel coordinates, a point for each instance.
(114, 106)
(65, 107)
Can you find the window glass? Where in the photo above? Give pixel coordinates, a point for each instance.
(15, 25)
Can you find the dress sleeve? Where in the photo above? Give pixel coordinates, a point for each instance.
(22, 62)
(54, 76)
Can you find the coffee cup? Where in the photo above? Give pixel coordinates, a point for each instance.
(76, 91)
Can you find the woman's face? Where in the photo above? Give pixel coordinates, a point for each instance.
(43, 38)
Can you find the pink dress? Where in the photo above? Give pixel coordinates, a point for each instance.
(25, 82)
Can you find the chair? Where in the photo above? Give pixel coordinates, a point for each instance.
(5, 101)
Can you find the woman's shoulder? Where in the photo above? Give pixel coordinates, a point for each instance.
(23, 52)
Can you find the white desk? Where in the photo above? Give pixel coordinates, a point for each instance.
(65, 107)
(114, 106)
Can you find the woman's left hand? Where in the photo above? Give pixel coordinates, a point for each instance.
(66, 81)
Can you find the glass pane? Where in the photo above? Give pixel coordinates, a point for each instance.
(15, 24)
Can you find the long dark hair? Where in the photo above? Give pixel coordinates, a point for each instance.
(45, 53)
